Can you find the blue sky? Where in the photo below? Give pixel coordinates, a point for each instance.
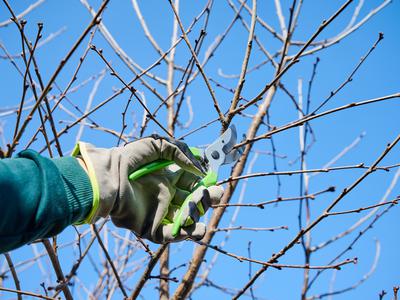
(379, 124)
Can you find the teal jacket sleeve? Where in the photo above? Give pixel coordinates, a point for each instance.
(39, 197)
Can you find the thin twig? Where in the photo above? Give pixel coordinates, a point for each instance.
(360, 209)
(312, 117)
(245, 63)
(357, 284)
(277, 200)
(150, 266)
(290, 173)
(295, 58)
(198, 64)
(120, 284)
(57, 268)
(128, 87)
(20, 293)
(350, 77)
(275, 265)
(14, 274)
(55, 74)
(22, 14)
(321, 217)
(252, 228)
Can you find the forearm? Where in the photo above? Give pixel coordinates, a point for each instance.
(39, 197)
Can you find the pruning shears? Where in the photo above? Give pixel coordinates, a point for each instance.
(219, 153)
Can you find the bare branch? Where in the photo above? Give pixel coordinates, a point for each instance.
(20, 293)
(275, 265)
(245, 62)
(252, 228)
(55, 74)
(303, 231)
(312, 117)
(350, 77)
(147, 272)
(361, 281)
(57, 268)
(14, 274)
(279, 199)
(358, 210)
(198, 64)
(295, 58)
(22, 14)
(120, 284)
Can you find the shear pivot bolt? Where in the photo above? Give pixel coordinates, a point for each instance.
(215, 154)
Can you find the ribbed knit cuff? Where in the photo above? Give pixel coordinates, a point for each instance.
(77, 187)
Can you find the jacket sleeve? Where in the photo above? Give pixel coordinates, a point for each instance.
(39, 197)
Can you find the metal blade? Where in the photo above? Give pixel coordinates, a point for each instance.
(228, 139)
(234, 154)
(216, 153)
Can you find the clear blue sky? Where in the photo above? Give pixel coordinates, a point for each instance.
(379, 76)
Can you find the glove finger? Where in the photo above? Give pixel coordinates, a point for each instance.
(195, 231)
(216, 193)
(187, 181)
(202, 198)
(179, 152)
(199, 202)
(196, 206)
(180, 196)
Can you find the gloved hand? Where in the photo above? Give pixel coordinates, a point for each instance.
(146, 205)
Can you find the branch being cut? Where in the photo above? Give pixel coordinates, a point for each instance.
(245, 63)
(198, 64)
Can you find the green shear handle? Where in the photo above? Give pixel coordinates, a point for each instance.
(207, 181)
(149, 168)
(179, 221)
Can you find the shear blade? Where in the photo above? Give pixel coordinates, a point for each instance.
(232, 156)
(221, 151)
(228, 139)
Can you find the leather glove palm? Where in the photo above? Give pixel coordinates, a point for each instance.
(146, 205)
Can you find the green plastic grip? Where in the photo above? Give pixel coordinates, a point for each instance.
(158, 165)
(209, 180)
(151, 167)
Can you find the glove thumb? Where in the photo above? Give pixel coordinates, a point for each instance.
(195, 231)
(179, 152)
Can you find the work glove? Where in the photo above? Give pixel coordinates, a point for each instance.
(148, 204)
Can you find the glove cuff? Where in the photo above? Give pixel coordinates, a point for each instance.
(104, 178)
